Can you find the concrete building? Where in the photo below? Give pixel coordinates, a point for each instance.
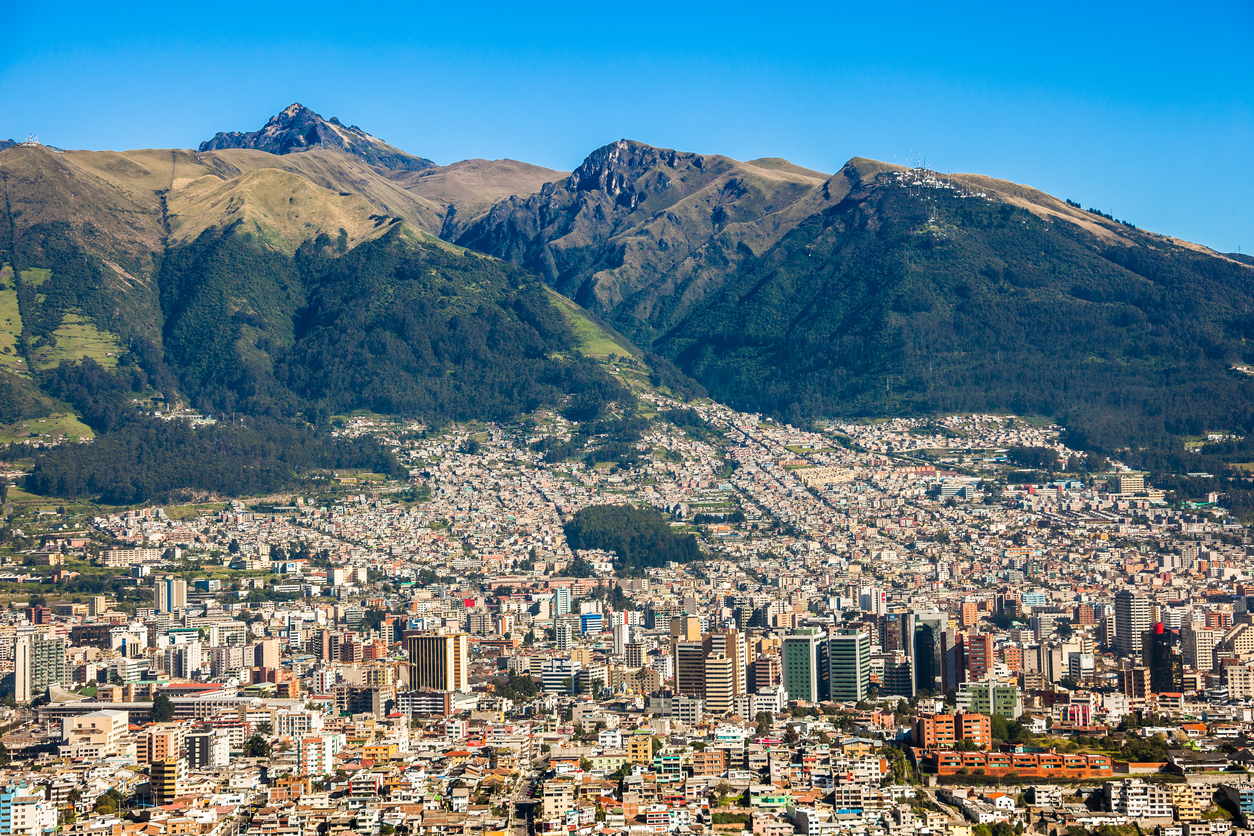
(801, 659)
(1132, 619)
(38, 661)
(94, 736)
(849, 665)
(439, 662)
(168, 776)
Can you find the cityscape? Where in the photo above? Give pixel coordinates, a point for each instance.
(950, 626)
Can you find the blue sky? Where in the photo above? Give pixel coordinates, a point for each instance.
(1144, 110)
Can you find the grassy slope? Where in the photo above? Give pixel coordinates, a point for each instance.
(280, 208)
(76, 339)
(11, 358)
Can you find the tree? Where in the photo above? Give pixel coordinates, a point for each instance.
(108, 803)
(257, 747)
(5, 757)
(162, 709)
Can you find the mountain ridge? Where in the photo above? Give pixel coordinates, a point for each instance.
(877, 289)
(297, 128)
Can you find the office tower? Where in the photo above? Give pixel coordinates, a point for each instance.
(622, 637)
(167, 778)
(183, 661)
(266, 654)
(980, 659)
(208, 748)
(1132, 620)
(561, 599)
(685, 628)
(732, 645)
(849, 665)
(953, 659)
(872, 600)
(590, 623)
(719, 683)
(801, 658)
(690, 668)
(970, 613)
(565, 636)
(635, 654)
(892, 633)
(558, 676)
(926, 630)
(171, 594)
(438, 662)
(898, 677)
(764, 672)
(38, 661)
(97, 606)
(1164, 660)
(1198, 647)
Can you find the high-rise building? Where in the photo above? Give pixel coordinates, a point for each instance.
(622, 637)
(438, 662)
(801, 659)
(953, 659)
(1198, 644)
(1132, 620)
(970, 613)
(171, 594)
(558, 676)
(208, 748)
(167, 778)
(690, 668)
(1164, 660)
(38, 661)
(925, 629)
(561, 600)
(565, 636)
(764, 672)
(720, 676)
(892, 632)
(634, 652)
(266, 654)
(686, 628)
(732, 645)
(980, 659)
(849, 665)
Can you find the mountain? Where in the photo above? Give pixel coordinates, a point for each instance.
(881, 290)
(303, 270)
(470, 188)
(297, 128)
(641, 235)
(279, 288)
(7, 143)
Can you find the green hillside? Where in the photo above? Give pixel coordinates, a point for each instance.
(901, 301)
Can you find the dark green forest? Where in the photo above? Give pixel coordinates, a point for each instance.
(390, 326)
(639, 536)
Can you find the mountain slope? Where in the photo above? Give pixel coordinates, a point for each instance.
(882, 290)
(297, 128)
(468, 189)
(639, 235)
(904, 298)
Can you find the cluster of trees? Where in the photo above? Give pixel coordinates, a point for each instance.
(147, 459)
(517, 687)
(639, 537)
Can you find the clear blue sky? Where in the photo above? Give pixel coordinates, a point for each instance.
(1142, 109)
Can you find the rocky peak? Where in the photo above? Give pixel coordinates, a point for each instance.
(297, 128)
(616, 170)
